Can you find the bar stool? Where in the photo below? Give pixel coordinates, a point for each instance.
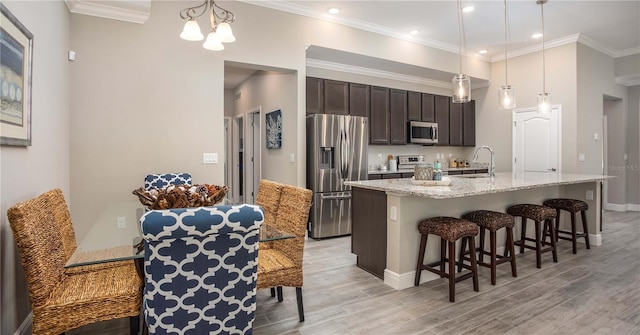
(493, 221)
(538, 214)
(450, 230)
(572, 206)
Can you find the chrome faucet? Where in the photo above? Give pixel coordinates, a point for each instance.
(492, 166)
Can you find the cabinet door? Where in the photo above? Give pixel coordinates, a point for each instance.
(442, 118)
(414, 106)
(398, 117)
(336, 97)
(428, 107)
(407, 174)
(469, 124)
(391, 175)
(379, 117)
(374, 176)
(315, 95)
(455, 124)
(359, 100)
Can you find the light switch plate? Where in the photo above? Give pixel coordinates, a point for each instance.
(393, 213)
(292, 158)
(210, 158)
(589, 195)
(121, 222)
(580, 157)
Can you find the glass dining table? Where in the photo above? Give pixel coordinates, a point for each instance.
(115, 235)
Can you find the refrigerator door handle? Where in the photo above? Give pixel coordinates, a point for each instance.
(335, 197)
(344, 154)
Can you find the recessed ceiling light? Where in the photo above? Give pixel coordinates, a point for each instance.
(468, 9)
(414, 32)
(334, 10)
(483, 51)
(536, 35)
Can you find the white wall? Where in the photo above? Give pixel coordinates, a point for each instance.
(272, 91)
(27, 172)
(632, 165)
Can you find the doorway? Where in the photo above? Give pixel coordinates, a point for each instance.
(252, 156)
(537, 140)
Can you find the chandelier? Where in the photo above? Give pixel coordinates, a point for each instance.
(506, 94)
(461, 82)
(220, 32)
(544, 98)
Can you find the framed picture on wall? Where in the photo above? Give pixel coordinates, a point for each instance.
(274, 129)
(16, 50)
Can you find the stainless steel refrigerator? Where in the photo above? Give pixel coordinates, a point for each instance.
(336, 152)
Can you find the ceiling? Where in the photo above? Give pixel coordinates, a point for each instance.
(612, 27)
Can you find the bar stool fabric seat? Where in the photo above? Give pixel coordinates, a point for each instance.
(449, 228)
(489, 219)
(570, 205)
(533, 212)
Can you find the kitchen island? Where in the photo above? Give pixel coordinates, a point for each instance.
(386, 212)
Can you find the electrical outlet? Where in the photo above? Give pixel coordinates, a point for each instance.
(121, 222)
(589, 195)
(393, 213)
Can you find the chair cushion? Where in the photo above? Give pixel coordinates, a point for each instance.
(273, 260)
(489, 219)
(449, 228)
(571, 205)
(533, 212)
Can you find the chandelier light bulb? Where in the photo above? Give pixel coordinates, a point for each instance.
(224, 33)
(213, 42)
(191, 31)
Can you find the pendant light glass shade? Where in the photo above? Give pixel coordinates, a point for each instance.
(506, 94)
(461, 83)
(461, 88)
(544, 103)
(506, 97)
(544, 98)
(191, 31)
(224, 33)
(213, 42)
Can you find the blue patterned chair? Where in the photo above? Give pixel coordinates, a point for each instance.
(162, 180)
(201, 269)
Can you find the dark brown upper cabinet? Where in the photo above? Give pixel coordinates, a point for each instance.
(428, 107)
(379, 116)
(359, 99)
(442, 118)
(469, 124)
(315, 95)
(336, 97)
(455, 124)
(414, 106)
(398, 117)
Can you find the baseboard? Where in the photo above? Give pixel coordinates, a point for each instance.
(25, 326)
(622, 207)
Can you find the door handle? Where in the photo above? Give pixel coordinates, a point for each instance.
(552, 169)
(335, 197)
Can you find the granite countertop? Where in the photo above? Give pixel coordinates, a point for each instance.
(444, 169)
(464, 186)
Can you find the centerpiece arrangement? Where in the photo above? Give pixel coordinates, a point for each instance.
(181, 196)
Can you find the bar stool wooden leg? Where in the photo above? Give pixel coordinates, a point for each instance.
(539, 245)
(492, 242)
(463, 249)
(554, 236)
(423, 247)
(557, 223)
(480, 258)
(585, 230)
(510, 246)
(523, 234)
(574, 245)
(474, 264)
(443, 253)
(452, 271)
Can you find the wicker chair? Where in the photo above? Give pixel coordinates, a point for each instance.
(162, 180)
(62, 218)
(281, 265)
(200, 269)
(61, 302)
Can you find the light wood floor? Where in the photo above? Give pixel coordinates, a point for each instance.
(596, 291)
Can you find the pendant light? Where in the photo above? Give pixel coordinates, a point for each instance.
(506, 94)
(220, 32)
(544, 98)
(461, 83)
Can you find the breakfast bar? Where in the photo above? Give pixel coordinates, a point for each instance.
(386, 212)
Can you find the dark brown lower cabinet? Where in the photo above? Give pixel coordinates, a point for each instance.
(369, 230)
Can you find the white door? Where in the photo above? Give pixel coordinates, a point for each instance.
(537, 140)
(252, 170)
(257, 158)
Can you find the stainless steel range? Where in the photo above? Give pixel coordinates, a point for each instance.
(410, 161)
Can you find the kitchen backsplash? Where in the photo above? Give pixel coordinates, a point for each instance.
(429, 153)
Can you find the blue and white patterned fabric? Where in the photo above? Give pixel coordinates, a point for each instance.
(201, 269)
(162, 180)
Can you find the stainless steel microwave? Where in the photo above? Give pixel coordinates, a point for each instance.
(423, 132)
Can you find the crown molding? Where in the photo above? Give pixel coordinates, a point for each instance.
(320, 64)
(93, 8)
(630, 80)
(362, 25)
